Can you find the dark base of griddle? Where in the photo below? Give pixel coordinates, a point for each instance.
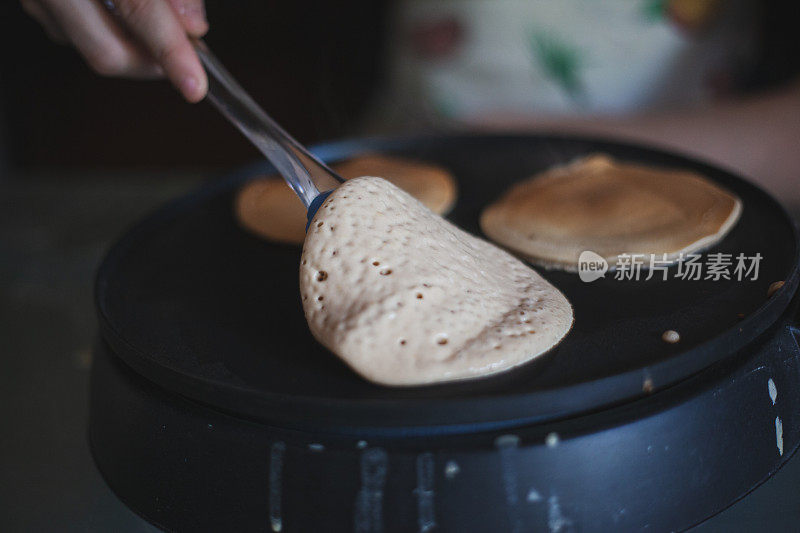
(667, 461)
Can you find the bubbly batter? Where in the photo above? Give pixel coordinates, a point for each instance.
(405, 298)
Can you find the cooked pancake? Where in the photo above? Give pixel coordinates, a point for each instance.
(406, 298)
(610, 208)
(430, 184)
(267, 206)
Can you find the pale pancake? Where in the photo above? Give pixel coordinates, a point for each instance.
(610, 208)
(267, 206)
(270, 209)
(406, 298)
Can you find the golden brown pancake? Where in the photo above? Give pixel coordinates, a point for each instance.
(267, 206)
(610, 208)
(430, 184)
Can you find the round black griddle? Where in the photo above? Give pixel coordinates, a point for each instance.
(205, 309)
(202, 328)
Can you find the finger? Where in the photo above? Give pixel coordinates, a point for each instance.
(155, 24)
(192, 15)
(101, 41)
(45, 19)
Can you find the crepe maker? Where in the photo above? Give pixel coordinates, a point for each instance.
(213, 409)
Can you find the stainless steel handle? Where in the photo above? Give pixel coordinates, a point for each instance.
(305, 174)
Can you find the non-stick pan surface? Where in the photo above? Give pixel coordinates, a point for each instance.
(203, 308)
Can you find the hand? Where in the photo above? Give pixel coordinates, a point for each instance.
(131, 38)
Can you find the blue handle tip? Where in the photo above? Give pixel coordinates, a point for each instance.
(315, 205)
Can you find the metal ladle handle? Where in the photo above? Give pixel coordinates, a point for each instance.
(305, 174)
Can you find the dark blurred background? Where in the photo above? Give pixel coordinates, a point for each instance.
(82, 157)
(316, 67)
(313, 66)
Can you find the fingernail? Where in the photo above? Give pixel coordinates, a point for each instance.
(190, 86)
(197, 12)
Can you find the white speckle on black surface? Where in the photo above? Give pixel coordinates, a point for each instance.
(671, 336)
(773, 391)
(534, 496)
(451, 469)
(369, 500)
(426, 516)
(556, 521)
(276, 485)
(508, 447)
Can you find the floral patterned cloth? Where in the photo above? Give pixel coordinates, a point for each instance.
(458, 60)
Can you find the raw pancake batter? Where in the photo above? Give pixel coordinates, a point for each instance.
(406, 298)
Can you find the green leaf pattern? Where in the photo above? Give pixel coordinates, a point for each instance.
(560, 60)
